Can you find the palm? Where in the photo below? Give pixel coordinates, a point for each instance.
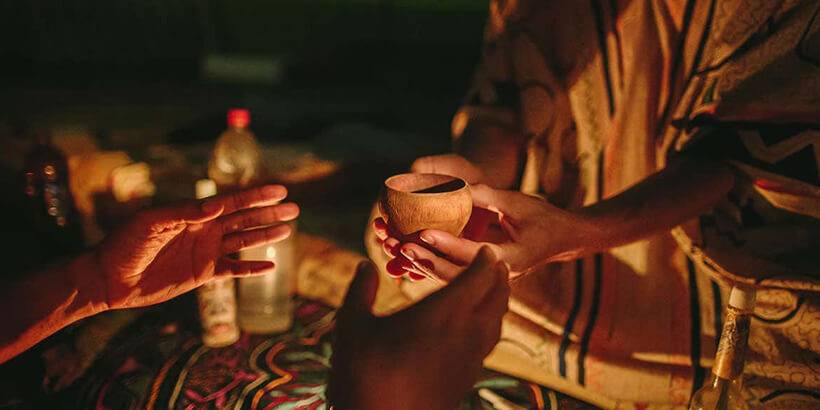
(164, 253)
(168, 264)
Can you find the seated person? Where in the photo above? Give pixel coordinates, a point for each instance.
(644, 146)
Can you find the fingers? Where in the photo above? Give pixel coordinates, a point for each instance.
(362, 292)
(176, 215)
(448, 164)
(255, 217)
(398, 267)
(391, 247)
(416, 276)
(248, 198)
(242, 240)
(418, 263)
(401, 267)
(227, 267)
(474, 283)
(504, 202)
(458, 250)
(430, 263)
(380, 228)
(185, 212)
(480, 221)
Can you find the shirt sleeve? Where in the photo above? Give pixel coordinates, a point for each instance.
(754, 97)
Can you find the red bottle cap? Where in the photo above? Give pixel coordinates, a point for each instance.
(238, 117)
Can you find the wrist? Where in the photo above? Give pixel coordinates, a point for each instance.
(593, 235)
(588, 234)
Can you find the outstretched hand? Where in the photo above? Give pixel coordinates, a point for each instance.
(427, 356)
(168, 251)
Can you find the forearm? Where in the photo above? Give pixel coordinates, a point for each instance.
(47, 301)
(666, 199)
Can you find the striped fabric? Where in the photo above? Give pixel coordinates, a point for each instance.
(607, 91)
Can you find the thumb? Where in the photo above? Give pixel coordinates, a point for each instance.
(493, 199)
(477, 280)
(448, 164)
(362, 291)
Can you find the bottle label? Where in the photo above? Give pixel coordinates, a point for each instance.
(217, 306)
(731, 350)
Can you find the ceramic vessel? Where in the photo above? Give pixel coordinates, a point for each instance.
(414, 202)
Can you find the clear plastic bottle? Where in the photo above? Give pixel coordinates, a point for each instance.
(724, 390)
(236, 160)
(216, 299)
(265, 302)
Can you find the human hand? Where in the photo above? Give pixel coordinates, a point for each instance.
(479, 227)
(427, 356)
(447, 164)
(536, 233)
(164, 252)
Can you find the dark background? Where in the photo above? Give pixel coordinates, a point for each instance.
(136, 73)
(130, 74)
(403, 63)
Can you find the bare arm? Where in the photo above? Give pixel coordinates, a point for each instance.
(48, 301)
(681, 191)
(162, 253)
(539, 232)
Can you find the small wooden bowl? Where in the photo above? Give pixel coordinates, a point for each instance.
(414, 202)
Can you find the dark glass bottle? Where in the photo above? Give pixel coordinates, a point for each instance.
(50, 205)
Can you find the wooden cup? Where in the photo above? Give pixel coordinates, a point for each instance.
(414, 202)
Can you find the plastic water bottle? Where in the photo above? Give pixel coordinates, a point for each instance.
(236, 161)
(265, 302)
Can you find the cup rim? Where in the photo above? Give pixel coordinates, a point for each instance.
(464, 184)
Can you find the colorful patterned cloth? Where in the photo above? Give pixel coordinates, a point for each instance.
(159, 362)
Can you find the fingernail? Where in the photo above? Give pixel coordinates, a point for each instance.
(271, 190)
(428, 239)
(415, 277)
(211, 206)
(408, 254)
